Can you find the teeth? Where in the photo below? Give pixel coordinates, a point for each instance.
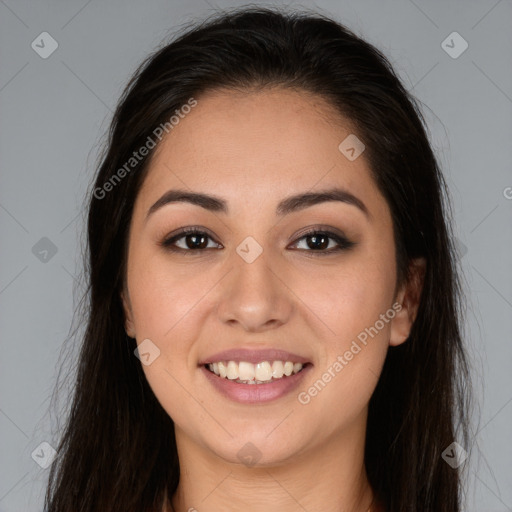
(277, 369)
(248, 373)
(264, 371)
(222, 369)
(232, 372)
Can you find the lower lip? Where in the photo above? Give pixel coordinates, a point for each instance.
(256, 393)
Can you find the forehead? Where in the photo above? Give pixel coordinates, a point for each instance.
(257, 146)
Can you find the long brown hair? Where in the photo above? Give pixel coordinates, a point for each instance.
(117, 451)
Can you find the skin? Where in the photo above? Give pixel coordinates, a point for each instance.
(254, 149)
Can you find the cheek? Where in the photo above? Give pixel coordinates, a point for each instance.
(349, 301)
(160, 296)
(348, 297)
(168, 311)
(355, 348)
(170, 306)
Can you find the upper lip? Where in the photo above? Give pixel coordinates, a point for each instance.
(254, 356)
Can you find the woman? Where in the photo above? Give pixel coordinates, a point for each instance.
(274, 319)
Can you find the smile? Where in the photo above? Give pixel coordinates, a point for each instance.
(263, 387)
(263, 372)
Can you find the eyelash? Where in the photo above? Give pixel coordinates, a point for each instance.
(343, 243)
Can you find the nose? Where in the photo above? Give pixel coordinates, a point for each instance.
(254, 296)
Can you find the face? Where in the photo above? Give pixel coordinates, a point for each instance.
(309, 281)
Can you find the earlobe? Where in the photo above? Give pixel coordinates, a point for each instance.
(400, 325)
(128, 315)
(409, 298)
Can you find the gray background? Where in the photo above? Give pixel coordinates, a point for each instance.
(54, 113)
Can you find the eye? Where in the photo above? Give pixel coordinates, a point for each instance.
(194, 240)
(319, 241)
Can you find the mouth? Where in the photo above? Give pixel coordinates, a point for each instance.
(264, 372)
(255, 383)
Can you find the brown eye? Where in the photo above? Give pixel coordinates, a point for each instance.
(188, 240)
(195, 241)
(320, 242)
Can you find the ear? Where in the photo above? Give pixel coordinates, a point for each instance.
(409, 298)
(128, 313)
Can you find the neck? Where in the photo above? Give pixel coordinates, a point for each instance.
(330, 477)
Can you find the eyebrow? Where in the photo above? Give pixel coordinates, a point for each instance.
(286, 206)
